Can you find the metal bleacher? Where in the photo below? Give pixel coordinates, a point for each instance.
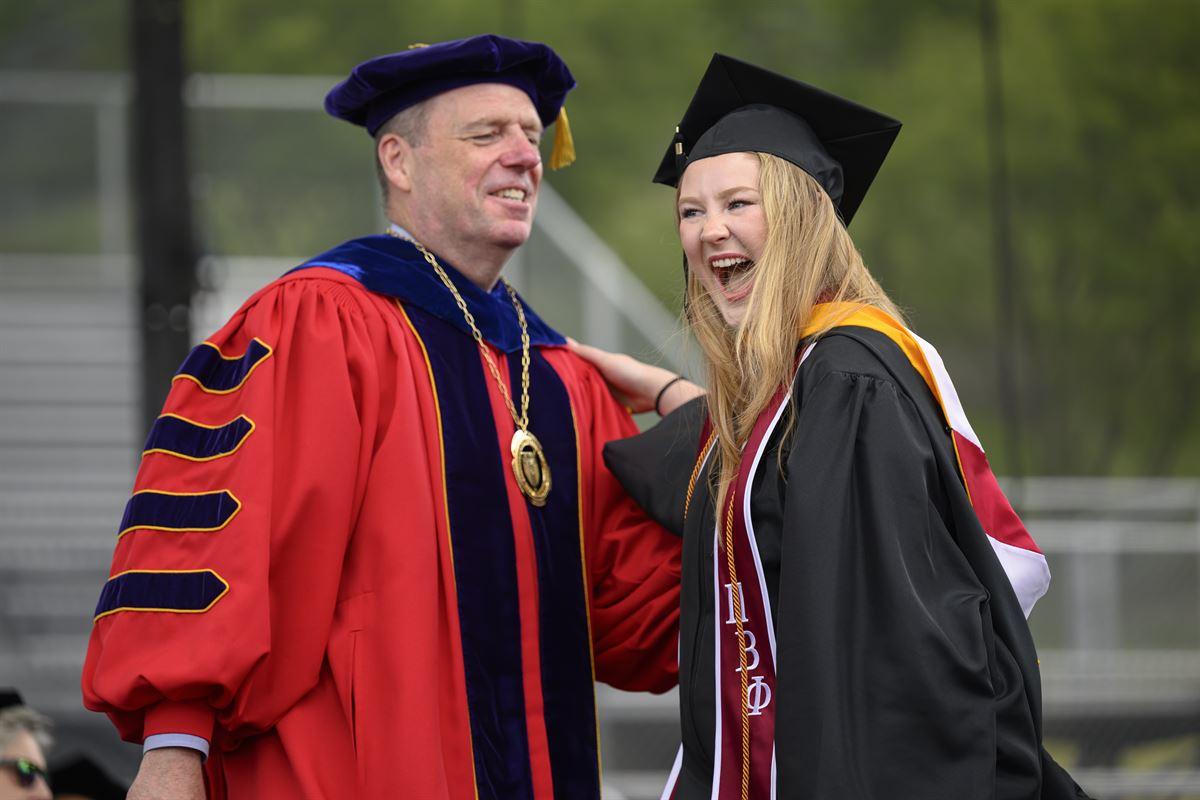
(68, 383)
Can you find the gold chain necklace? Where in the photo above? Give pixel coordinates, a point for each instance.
(529, 465)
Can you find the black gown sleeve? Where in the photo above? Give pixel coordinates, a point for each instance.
(654, 467)
(883, 681)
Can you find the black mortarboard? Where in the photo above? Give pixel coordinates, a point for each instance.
(382, 87)
(83, 776)
(10, 697)
(739, 107)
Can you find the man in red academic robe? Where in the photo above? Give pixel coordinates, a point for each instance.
(372, 549)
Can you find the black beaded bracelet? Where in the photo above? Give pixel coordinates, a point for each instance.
(663, 391)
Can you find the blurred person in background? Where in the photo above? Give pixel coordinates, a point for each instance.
(24, 740)
(81, 778)
(855, 584)
(373, 550)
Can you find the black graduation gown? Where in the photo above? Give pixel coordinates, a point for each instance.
(905, 667)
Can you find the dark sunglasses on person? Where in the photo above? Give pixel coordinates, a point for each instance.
(26, 771)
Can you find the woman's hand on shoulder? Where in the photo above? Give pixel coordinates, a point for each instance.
(637, 385)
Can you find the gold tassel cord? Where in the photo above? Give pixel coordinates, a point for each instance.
(736, 596)
(696, 472)
(563, 154)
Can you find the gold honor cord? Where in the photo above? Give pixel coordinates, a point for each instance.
(529, 464)
(736, 595)
(696, 473)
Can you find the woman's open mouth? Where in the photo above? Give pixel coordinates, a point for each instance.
(735, 273)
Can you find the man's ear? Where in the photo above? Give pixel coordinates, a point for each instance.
(395, 156)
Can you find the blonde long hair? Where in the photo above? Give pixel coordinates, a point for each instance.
(808, 258)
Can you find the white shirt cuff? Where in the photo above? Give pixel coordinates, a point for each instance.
(176, 740)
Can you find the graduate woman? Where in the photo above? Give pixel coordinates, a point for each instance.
(855, 585)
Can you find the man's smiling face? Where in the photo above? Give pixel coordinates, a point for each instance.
(477, 172)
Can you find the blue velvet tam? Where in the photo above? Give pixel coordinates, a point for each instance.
(380, 88)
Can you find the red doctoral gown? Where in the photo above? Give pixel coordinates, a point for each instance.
(328, 570)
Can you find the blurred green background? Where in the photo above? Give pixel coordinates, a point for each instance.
(1102, 100)
(1103, 141)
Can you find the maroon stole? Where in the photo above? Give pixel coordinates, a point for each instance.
(744, 758)
(744, 640)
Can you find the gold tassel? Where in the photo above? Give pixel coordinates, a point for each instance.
(563, 154)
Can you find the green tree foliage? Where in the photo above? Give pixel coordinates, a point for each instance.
(1102, 136)
(1108, 193)
(63, 34)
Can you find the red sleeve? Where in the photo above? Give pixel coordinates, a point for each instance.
(159, 660)
(633, 563)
